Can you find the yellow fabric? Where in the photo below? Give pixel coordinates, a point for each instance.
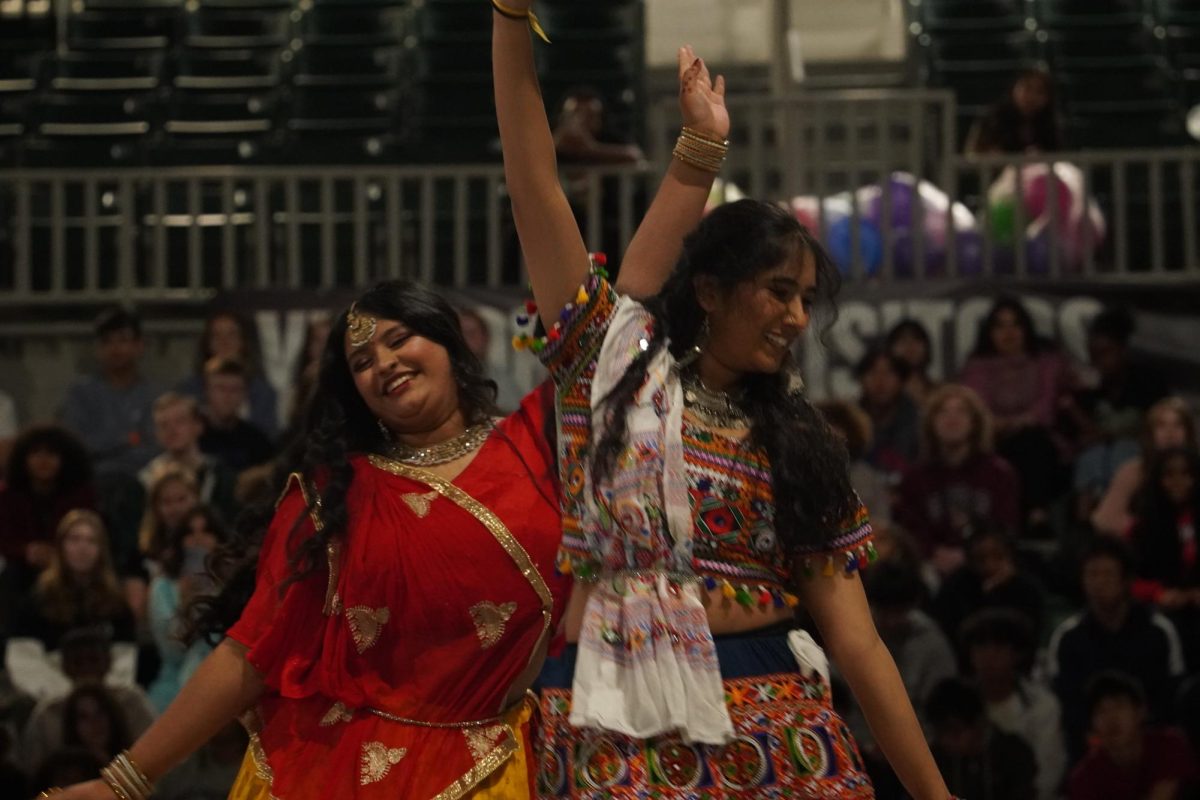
(248, 785)
(510, 782)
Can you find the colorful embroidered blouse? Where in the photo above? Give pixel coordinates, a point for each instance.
(387, 674)
(734, 542)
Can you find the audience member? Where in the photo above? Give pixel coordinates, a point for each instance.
(304, 376)
(172, 495)
(976, 758)
(957, 481)
(1112, 632)
(1021, 379)
(230, 337)
(894, 416)
(909, 341)
(86, 661)
(78, 588)
(233, 441)
(1109, 415)
(1169, 423)
(93, 720)
(854, 427)
(991, 579)
(1163, 537)
(184, 577)
(582, 135)
(998, 646)
(1023, 121)
(1127, 759)
(178, 425)
(49, 473)
(478, 335)
(110, 411)
(922, 653)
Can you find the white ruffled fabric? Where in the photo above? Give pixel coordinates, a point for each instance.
(647, 664)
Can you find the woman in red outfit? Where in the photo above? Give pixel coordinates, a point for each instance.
(403, 596)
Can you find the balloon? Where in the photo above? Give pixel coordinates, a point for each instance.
(840, 243)
(806, 208)
(1002, 217)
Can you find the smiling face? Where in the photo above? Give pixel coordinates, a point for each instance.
(406, 380)
(754, 325)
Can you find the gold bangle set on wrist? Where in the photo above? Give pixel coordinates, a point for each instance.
(126, 780)
(700, 150)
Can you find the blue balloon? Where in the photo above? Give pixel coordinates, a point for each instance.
(870, 246)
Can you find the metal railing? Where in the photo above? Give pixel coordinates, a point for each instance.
(70, 236)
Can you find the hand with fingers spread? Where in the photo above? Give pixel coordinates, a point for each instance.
(701, 99)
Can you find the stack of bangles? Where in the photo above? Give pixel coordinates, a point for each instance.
(126, 780)
(701, 150)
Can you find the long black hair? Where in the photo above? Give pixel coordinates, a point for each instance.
(732, 245)
(338, 424)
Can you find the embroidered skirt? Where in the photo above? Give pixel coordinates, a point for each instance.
(789, 741)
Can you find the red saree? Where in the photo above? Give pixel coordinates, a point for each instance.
(387, 674)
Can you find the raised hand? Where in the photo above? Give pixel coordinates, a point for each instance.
(701, 99)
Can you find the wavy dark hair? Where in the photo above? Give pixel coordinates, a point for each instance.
(1034, 343)
(76, 464)
(338, 424)
(173, 554)
(910, 327)
(732, 245)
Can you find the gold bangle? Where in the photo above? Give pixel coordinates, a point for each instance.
(703, 137)
(126, 779)
(50, 791)
(508, 12)
(699, 151)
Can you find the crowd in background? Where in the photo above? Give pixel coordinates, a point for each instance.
(1037, 583)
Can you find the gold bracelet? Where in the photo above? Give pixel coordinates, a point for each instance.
(700, 150)
(126, 780)
(508, 12)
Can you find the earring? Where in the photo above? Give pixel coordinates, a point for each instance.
(697, 348)
(384, 431)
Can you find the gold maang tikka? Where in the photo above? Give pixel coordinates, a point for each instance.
(359, 326)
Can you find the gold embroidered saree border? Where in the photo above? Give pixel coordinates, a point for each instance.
(482, 769)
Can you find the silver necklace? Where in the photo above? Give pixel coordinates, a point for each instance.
(712, 407)
(452, 449)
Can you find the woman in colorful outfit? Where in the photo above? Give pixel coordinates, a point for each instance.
(404, 594)
(703, 496)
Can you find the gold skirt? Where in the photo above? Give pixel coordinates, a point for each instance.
(509, 782)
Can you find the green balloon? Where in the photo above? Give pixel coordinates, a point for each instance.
(1002, 217)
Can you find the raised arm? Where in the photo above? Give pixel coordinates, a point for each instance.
(681, 198)
(554, 251)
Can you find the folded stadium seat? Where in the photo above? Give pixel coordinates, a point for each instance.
(353, 23)
(24, 42)
(211, 127)
(89, 128)
(338, 123)
(226, 70)
(122, 24)
(1059, 14)
(319, 64)
(104, 71)
(937, 16)
(217, 25)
